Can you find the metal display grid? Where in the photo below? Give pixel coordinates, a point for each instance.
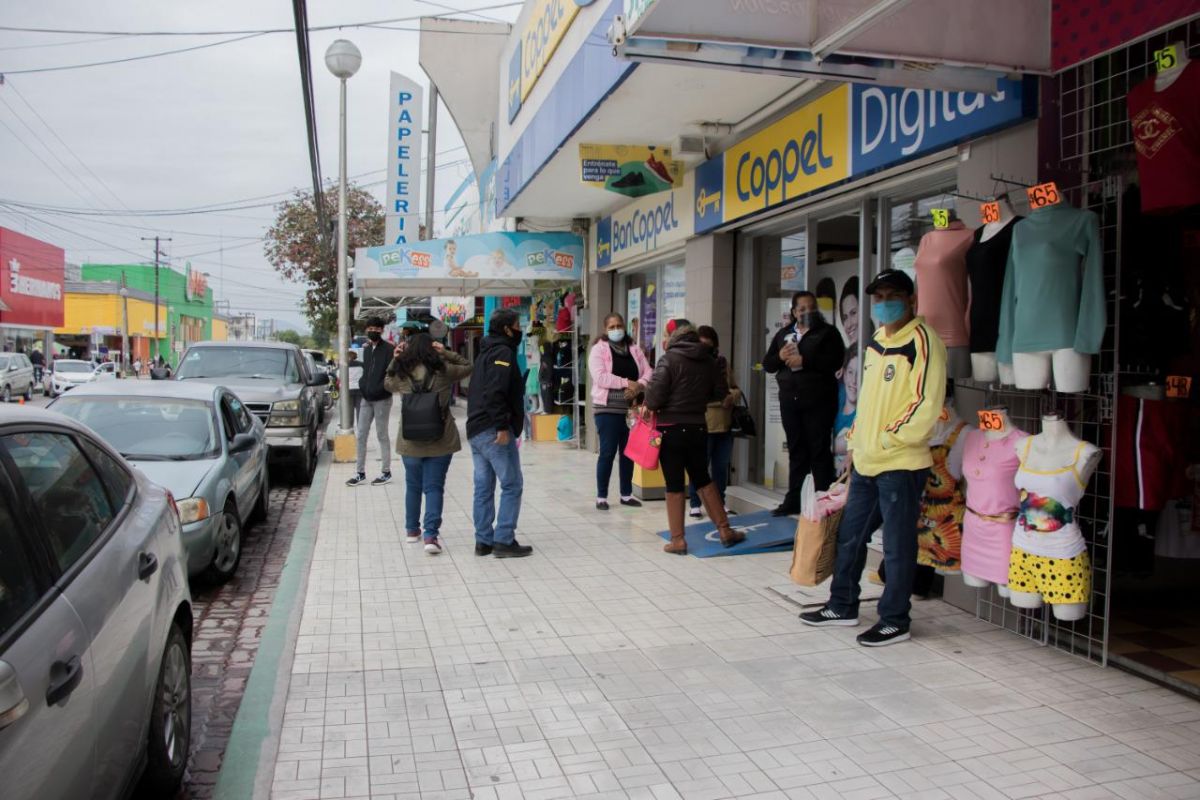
(1091, 416)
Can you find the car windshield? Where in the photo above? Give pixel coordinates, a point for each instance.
(72, 366)
(5, 361)
(267, 363)
(148, 428)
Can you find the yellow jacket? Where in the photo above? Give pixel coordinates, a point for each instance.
(899, 400)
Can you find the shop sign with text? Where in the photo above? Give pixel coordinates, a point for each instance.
(544, 31)
(849, 132)
(31, 281)
(196, 285)
(644, 226)
(406, 118)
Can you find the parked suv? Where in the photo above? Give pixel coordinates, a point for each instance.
(16, 377)
(275, 382)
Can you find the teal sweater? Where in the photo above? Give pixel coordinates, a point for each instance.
(1053, 294)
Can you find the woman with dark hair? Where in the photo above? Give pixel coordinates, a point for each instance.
(718, 419)
(619, 373)
(684, 382)
(848, 311)
(421, 365)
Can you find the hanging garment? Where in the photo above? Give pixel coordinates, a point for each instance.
(942, 282)
(1151, 458)
(1057, 580)
(990, 466)
(987, 261)
(939, 527)
(1054, 295)
(1166, 132)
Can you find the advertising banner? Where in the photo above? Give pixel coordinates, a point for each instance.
(853, 130)
(633, 170)
(482, 257)
(544, 30)
(644, 226)
(633, 314)
(453, 311)
(674, 291)
(31, 281)
(406, 118)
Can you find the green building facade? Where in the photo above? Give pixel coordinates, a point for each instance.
(186, 297)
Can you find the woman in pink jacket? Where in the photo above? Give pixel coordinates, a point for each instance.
(619, 373)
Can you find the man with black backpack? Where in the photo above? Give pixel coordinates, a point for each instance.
(375, 406)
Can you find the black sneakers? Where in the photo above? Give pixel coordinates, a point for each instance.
(357, 480)
(882, 634)
(631, 502)
(601, 504)
(382, 479)
(827, 617)
(514, 550)
(483, 549)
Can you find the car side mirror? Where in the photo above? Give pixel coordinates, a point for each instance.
(320, 379)
(242, 443)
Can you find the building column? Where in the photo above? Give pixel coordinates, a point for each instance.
(710, 289)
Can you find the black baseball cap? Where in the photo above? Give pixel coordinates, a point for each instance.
(894, 278)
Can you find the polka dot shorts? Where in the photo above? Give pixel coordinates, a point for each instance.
(1057, 580)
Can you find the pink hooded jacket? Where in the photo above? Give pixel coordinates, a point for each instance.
(600, 368)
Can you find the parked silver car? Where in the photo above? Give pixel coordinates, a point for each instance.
(95, 619)
(197, 440)
(16, 377)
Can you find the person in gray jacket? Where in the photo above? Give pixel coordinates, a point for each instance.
(423, 366)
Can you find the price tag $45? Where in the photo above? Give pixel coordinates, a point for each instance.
(941, 217)
(1179, 386)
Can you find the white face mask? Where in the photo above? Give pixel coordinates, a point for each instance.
(616, 336)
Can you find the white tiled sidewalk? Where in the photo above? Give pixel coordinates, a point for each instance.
(602, 667)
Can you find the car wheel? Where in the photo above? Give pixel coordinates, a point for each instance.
(227, 547)
(170, 720)
(303, 472)
(262, 504)
(29, 393)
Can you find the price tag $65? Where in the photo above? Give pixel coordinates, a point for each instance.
(1042, 195)
(991, 421)
(941, 217)
(989, 212)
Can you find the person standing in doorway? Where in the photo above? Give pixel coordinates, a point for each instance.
(903, 388)
(375, 405)
(619, 371)
(718, 419)
(805, 358)
(495, 419)
(354, 372)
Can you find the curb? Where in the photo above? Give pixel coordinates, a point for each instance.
(254, 740)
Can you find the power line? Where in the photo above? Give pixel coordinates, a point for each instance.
(126, 60)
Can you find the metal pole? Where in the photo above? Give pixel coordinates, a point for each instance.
(157, 239)
(345, 416)
(431, 159)
(124, 326)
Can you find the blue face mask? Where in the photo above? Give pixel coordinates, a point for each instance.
(885, 312)
(616, 336)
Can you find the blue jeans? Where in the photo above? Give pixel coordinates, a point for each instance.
(424, 477)
(893, 498)
(496, 462)
(614, 435)
(720, 453)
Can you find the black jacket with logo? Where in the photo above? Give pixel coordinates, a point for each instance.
(496, 396)
(376, 358)
(816, 382)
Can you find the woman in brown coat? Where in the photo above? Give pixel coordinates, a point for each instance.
(422, 365)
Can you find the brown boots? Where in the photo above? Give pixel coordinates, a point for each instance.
(676, 507)
(711, 499)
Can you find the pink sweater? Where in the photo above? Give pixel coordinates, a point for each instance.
(942, 282)
(600, 368)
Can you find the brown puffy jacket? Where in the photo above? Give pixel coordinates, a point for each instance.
(686, 379)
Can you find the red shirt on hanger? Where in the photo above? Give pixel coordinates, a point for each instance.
(1166, 131)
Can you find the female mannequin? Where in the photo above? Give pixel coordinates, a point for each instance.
(987, 260)
(939, 526)
(1166, 77)
(1049, 561)
(989, 465)
(942, 292)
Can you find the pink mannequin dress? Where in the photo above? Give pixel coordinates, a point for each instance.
(989, 466)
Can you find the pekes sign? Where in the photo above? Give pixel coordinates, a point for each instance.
(31, 281)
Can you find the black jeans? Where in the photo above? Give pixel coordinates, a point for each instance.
(809, 432)
(684, 449)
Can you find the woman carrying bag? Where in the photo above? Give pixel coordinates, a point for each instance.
(619, 372)
(422, 373)
(718, 418)
(685, 380)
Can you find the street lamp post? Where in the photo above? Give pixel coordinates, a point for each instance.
(343, 60)
(124, 326)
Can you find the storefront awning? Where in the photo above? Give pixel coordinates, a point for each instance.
(483, 265)
(939, 44)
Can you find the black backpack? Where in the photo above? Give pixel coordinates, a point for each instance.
(422, 416)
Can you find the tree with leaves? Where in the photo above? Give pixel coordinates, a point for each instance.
(289, 337)
(294, 247)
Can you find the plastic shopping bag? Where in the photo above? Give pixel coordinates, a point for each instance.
(808, 499)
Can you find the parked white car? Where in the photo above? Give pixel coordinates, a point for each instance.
(67, 373)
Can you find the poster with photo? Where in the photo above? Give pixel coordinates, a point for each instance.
(633, 313)
(649, 324)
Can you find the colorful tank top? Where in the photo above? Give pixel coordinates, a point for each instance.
(1046, 524)
(939, 527)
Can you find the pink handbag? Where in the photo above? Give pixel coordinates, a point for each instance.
(645, 439)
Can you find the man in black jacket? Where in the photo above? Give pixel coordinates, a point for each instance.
(495, 418)
(805, 358)
(375, 405)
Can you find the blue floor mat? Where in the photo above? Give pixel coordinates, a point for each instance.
(764, 534)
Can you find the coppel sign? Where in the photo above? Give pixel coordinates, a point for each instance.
(547, 24)
(646, 225)
(850, 132)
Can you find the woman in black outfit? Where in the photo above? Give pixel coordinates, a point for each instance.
(805, 358)
(685, 380)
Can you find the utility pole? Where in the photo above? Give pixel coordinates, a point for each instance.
(431, 159)
(157, 254)
(124, 326)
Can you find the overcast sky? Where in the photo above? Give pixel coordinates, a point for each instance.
(213, 126)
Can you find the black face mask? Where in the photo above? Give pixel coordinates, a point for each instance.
(374, 336)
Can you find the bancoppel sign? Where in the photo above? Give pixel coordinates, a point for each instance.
(31, 281)
(406, 118)
(645, 225)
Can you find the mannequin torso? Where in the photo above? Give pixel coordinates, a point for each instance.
(1168, 76)
(1007, 216)
(1055, 448)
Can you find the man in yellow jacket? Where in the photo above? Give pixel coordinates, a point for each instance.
(900, 399)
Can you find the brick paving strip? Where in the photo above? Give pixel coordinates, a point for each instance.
(229, 626)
